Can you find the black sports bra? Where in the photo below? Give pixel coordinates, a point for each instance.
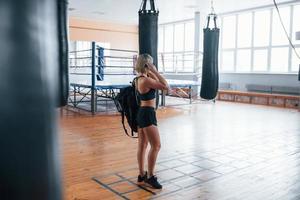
(146, 96)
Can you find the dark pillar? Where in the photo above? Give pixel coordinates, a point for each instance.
(29, 82)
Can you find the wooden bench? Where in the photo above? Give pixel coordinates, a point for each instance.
(278, 100)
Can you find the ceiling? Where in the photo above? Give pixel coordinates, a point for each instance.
(125, 11)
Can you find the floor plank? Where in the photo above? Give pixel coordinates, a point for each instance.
(209, 151)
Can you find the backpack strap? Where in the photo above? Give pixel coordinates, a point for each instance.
(123, 116)
(135, 85)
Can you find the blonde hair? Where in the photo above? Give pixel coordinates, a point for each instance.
(142, 61)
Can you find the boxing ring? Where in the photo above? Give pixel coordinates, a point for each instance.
(110, 90)
(97, 75)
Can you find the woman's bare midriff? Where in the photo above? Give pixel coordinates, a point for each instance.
(149, 103)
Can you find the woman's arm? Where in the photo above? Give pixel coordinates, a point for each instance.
(151, 75)
(159, 82)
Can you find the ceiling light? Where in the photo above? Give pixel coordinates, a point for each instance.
(191, 6)
(98, 12)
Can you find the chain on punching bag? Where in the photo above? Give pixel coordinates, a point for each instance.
(30, 167)
(210, 72)
(148, 26)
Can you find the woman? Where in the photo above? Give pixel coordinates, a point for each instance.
(148, 79)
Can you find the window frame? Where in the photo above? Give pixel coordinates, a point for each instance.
(252, 48)
(184, 70)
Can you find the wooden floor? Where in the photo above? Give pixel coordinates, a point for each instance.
(222, 151)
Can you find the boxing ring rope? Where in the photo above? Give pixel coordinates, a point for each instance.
(181, 60)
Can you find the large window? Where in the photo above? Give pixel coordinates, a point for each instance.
(255, 41)
(261, 28)
(178, 37)
(244, 60)
(279, 59)
(189, 36)
(245, 30)
(260, 57)
(168, 39)
(176, 47)
(160, 40)
(296, 22)
(295, 60)
(229, 31)
(278, 35)
(228, 61)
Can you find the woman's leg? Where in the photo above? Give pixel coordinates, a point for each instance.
(142, 146)
(154, 139)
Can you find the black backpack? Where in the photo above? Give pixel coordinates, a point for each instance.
(127, 104)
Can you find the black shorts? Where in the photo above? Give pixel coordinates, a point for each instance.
(146, 116)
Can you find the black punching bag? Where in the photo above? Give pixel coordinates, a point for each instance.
(62, 16)
(148, 25)
(210, 72)
(29, 74)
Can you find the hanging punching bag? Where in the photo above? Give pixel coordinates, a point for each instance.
(148, 25)
(29, 66)
(148, 20)
(210, 72)
(62, 7)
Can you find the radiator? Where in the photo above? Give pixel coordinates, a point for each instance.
(273, 89)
